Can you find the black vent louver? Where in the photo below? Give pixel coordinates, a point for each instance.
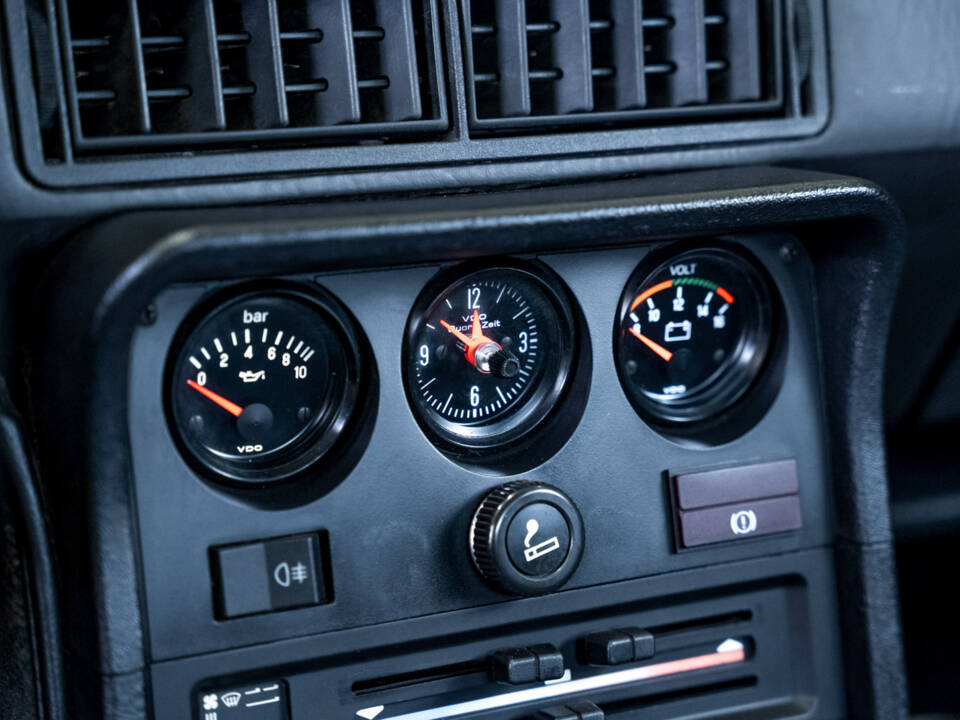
(157, 74)
(544, 63)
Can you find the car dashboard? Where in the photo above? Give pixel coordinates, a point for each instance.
(493, 359)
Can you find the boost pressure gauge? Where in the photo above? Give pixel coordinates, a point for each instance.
(488, 354)
(263, 385)
(694, 331)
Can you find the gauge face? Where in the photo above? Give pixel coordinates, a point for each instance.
(487, 355)
(261, 387)
(693, 334)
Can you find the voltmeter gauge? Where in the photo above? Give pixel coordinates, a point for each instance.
(488, 353)
(261, 386)
(693, 333)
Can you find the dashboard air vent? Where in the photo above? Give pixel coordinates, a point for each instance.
(544, 63)
(160, 74)
(118, 92)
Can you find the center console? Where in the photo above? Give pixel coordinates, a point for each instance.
(560, 454)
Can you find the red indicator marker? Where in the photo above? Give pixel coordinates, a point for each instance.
(230, 407)
(727, 297)
(700, 662)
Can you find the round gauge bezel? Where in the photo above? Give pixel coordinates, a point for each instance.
(731, 383)
(328, 430)
(538, 404)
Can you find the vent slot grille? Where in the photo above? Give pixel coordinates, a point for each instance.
(114, 92)
(538, 63)
(147, 74)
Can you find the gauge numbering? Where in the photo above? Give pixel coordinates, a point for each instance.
(491, 393)
(487, 355)
(263, 385)
(694, 334)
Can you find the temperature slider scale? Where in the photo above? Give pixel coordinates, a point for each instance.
(728, 653)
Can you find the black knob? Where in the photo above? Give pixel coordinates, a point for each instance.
(518, 666)
(503, 364)
(526, 538)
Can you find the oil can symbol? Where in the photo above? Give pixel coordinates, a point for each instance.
(743, 522)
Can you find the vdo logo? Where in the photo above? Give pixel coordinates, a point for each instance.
(743, 522)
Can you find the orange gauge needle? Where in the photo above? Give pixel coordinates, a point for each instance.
(230, 407)
(658, 349)
(475, 341)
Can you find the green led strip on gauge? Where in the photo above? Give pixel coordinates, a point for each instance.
(697, 282)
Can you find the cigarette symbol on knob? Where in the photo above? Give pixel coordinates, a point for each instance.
(540, 549)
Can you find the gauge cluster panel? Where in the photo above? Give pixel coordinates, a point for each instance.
(354, 448)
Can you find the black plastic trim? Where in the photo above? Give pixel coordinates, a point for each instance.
(18, 468)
